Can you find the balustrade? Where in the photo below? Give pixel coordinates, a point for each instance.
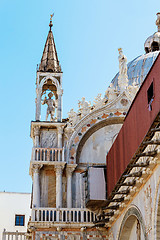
(63, 215)
(14, 235)
(48, 154)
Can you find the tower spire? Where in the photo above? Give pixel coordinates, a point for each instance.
(49, 60)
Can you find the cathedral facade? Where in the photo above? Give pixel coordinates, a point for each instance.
(75, 193)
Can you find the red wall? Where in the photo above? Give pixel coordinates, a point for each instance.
(135, 127)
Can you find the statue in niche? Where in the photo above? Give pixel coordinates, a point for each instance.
(72, 117)
(123, 77)
(84, 107)
(51, 106)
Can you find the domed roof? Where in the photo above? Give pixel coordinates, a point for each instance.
(153, 42)
(138, 68)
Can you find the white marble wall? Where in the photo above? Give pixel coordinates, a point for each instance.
(48, 138)
(96, 147)
(146, 202)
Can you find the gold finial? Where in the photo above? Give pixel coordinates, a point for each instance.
(51, 16)
(119, 49)
(50, 24)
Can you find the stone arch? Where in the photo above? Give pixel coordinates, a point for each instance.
(156, 213)
(132, 216)
(93, 129)
(45, 79)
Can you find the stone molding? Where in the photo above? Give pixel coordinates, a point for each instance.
(133, 210)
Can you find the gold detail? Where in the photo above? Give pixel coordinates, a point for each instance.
(51, 16)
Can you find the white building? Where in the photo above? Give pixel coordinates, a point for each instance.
(14, 211)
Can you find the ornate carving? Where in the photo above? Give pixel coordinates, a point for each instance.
(59, 169)
(84, 107)
(99, 101)
(36, 168)
(51, 106)
(111, 93)
(72, 117)
(133, 89)
(60, 130)
(70, 169)
(36, 131)
(124, 102)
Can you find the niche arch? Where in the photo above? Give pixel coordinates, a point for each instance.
(133, 216)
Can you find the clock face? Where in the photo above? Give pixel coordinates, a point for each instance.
(98, 144)
(48, 139)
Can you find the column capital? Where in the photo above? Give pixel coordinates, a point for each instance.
(59, 168)
(36, 168)
(60, 129)
(36, 131)
(70, 168)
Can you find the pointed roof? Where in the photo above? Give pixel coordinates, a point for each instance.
(49, 60)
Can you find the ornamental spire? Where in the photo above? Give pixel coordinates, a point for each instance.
(49, 60)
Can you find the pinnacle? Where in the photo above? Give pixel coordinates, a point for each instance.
(49, 60)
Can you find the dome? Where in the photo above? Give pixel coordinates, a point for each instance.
(138, 68)
(153, 42)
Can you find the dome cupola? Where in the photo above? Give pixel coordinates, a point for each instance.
(153, 42)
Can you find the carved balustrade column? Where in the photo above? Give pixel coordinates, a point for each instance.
(69, 170)
(36, 136)
(59, 195)
(59, 107)
(36, 186)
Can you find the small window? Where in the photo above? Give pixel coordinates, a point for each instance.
(150, 93)
(19, 220)
(155, 46)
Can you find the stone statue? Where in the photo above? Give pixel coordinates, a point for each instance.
(122, 63)
(72, 117)
(111, 93)
(84, 107)
(99, 101)
(123, 78)
(51, 106)
(133, 89)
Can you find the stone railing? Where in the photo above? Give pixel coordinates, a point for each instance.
(13, 235)
(62, 215)
(48, 154)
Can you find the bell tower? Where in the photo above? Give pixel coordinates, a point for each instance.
(49, 79)
(47, 161)
(55, 191)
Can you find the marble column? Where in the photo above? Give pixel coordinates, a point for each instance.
(69, 170)
(59, 194)
(36, 186)
(59, 108)
(60, 132)
(36, 136)
(38, 105)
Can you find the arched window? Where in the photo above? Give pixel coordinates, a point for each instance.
(154, 46)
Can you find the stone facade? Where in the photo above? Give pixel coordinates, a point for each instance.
(64, 149)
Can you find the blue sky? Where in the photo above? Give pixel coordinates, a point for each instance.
(87, 35)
